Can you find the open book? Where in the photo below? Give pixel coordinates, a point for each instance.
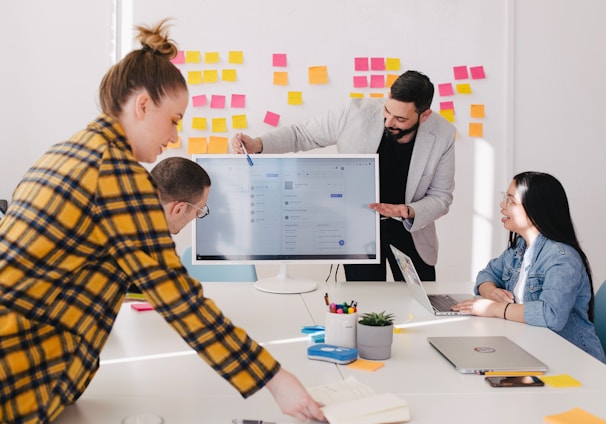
(351, 402)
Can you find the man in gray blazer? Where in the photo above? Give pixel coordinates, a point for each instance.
(416, 157)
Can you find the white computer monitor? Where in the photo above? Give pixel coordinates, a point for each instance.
(287, 209)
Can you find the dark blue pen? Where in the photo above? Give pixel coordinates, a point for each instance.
(250, 162)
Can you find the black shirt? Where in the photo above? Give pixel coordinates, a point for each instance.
(394, 163)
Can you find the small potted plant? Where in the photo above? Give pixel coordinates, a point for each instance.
(375, 335)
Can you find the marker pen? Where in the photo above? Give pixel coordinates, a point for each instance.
(250, 162)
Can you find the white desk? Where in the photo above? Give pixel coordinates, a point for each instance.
(180, 387)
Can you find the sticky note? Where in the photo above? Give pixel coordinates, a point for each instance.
(477, 72)
(217, 101)
(217, 144)
(295, 98)
(219, 125)
(392, 64)
(476, 129)
(377, 63)
(192, 56)
(463, 88)
(194, 77)
(239, 122)
(199, 101)
(445, 89)
(356, 95)
(361, 64)
(271, 118)
(390, 79)
(365, 365)
(229, 75)
(280, 78)
(235, 57)
(179, 59)
(377, 95)
(211, 75)
(196, 145)
(238, 100)
(562, 380)
(448, 114)
(141, 306)
(318, 75)
(360, 81)
(279, 59)
(476, 111)
(211, 57)
(447, 105)
(180, 125)
(198, 123)
(377, 81)
(460, 72)
(574, 416)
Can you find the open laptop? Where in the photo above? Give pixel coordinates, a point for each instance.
(439, 304)
(486, 354)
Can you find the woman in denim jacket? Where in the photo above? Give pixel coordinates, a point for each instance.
(543, 277)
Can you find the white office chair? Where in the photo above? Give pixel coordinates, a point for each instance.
(599, 313)
(219, 273)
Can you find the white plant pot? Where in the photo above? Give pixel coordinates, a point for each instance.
(374, 342)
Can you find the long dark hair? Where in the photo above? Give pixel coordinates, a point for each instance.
(546, 204)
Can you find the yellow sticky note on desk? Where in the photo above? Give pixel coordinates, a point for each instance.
(563, 380)
(364, 365)
(574, 416)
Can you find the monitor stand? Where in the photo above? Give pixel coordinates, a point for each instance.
(283, 283)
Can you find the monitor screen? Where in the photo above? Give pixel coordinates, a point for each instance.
(289, 208)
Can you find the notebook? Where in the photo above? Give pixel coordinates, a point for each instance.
(488, 354)
(438, 304)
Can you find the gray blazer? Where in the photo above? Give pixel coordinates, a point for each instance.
(358, 128)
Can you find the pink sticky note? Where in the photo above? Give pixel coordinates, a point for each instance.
(271, 118)
(199, 101)
(460, 72)
(377, 63)
(447, 106)
(217, 102)
(360, 81)
(377, 81)
(445, 89)
(238, 100)
(279, 59)
(477, 72)
(142, 306)
(179, 59)
(361, 63)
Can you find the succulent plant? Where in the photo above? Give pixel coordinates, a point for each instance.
(377, 319)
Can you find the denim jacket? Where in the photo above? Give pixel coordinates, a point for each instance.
(557, 290)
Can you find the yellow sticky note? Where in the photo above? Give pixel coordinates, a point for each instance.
(563, 380)
(391, 78)
(180, 126)
(574, 416)
(477, 111)
(219, 125)
(194, 77)
(217, 144)
(211, 57)
(392, 64)
(235, 56)
(174, 145)
(463, 88)
(192, 56)
(476, 129)
(196, 145)
(228, 75)
(239, 122)
(448, 114)
(318, 75)
(211, 75)
(356, 95)
(280, 78)
(377, 95)
(365, 365)
(295, 98)
(198, 123)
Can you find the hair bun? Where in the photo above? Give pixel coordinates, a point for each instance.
(155, 39)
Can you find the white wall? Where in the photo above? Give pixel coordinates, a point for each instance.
(551, 51)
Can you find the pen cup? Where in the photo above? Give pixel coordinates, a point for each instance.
(340, 329)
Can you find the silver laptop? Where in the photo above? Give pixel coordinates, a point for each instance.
(439, 304)
(479, 355)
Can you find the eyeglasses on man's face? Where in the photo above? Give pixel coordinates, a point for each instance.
(201, 212)
(509, 199)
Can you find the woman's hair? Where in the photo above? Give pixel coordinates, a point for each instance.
(180, 179)
(546, 204)
(413, 87)
(148, 68)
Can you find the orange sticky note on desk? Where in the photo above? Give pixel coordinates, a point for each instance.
(574, 416)
(364, 365)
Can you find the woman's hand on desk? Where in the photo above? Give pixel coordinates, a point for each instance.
(480, 307)
(293, 398)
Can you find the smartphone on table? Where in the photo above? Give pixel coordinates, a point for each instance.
(515, 381)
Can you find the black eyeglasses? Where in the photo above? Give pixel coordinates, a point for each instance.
(202, 212)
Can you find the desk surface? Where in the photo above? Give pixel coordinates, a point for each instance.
(146, 367)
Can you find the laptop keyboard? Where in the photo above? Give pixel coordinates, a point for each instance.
(442, 302)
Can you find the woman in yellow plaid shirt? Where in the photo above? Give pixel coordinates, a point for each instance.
(86, 222)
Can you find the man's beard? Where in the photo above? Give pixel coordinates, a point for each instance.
(400, 133)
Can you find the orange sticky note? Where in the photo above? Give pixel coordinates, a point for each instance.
(196, 145)
(239, 122)
(219, 125)
(235, 56)
(318, 75)
(477, 111)
(574, 416)
(194, 77)
(365, 365)
(476, 129)
(377, 95)
(295, 98)
(217, 144)
(280, 78)
(391, 78)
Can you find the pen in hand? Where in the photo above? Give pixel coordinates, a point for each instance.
(250, 162)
